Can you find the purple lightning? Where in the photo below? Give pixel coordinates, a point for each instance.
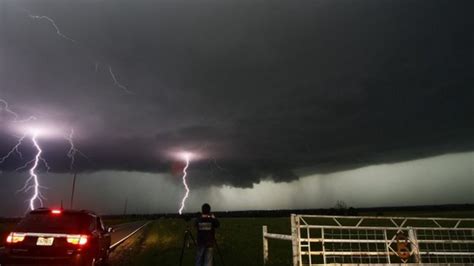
(71, 154)
(6, 107)
(187, 157)
(33, 182)
(73, 150)
(15, 149)
(33, 175)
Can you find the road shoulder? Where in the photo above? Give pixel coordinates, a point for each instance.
(124, 253)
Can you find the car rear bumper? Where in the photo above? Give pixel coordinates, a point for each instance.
(78, 259)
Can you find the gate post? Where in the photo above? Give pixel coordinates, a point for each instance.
(295, 239)
(414, 244)
(265, 245)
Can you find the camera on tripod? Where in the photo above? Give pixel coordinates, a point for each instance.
(189, 239)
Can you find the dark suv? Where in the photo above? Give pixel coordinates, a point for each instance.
(65, 237)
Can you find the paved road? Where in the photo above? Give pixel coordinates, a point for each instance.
(123, 231)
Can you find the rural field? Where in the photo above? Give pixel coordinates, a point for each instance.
(239, 239)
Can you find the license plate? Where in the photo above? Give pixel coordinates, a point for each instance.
(45, 241)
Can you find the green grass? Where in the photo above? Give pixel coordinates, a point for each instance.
(239, 239)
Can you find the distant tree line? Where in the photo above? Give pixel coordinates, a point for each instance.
(339, 209)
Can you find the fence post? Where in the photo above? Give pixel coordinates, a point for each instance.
(414, 244)
(265, 244)
(294, 239)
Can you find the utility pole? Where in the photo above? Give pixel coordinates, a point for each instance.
(125, 207)
(73, 189)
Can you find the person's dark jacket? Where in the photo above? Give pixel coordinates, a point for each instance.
(206, 225)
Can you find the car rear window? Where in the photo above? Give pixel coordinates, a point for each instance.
(56, 223)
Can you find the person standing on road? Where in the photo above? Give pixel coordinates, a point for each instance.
(205, 224)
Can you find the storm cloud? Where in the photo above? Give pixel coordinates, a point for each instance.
(260, 88)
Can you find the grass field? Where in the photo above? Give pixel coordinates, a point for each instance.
(239, 239)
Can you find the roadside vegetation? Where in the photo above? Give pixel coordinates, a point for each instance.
(239, 241)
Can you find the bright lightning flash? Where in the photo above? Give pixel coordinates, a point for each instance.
(73, 150)
(34, 175)
(187, 157)
(33, 133)
(32, 183)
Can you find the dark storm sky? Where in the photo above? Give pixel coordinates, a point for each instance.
(260, 88)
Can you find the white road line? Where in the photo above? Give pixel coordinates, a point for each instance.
(129, 235)
(118, 226)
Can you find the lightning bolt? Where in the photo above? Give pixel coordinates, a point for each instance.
(6, 107)
(32, 183)
(118, 83)
(15, 149)
(71, 154)
(183, 201)
(16, 118)
(34, 175)
(53, 23)
(62, 35)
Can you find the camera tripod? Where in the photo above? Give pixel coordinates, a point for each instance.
(188, 236)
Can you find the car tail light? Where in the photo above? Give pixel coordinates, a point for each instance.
(15, 238)
(80, 240)
(56, 212)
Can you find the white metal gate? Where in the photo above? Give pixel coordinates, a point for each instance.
(321, 240)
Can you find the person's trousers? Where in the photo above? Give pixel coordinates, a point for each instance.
(204, 256)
